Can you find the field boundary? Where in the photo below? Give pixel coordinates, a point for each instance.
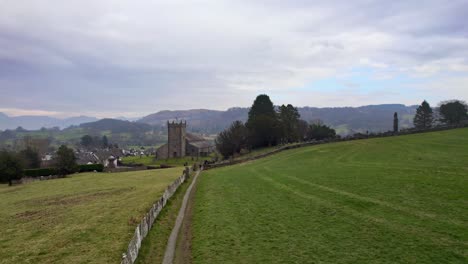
(142, 229)
(326, 141)
(172, 241)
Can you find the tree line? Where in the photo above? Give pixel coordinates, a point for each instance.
(14, 164)
(453, 112)
(267, 126)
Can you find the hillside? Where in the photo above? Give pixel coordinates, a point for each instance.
(86, 218)
(346, 120)
(199, 120)
(385, 200)
(37, 122)
(117, 126)
(123, 133)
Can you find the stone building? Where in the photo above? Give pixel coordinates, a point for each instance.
(180, 143)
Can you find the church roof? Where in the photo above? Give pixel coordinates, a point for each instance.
(201, 144)
(193, 138)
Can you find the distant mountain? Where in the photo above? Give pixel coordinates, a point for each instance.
(372, 118)
(346, 120)
(37, 122)
(199, 120)
(117, 126)
(127, 118)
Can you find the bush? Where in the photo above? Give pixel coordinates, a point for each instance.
(66, 161)
(320, 132)
(11, 167)
(91, 167)
(40, 172)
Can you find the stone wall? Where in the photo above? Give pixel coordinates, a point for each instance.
(141, 231)
(349, 138)
(25, 180)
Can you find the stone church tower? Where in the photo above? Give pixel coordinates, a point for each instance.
(176, 139)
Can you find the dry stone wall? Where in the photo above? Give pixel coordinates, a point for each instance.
(141, 231)
(314, 142)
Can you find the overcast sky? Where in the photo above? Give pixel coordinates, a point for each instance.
(110, 58)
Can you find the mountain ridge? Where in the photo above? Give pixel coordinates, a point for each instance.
(346, 120)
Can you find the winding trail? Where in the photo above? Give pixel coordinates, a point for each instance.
(172, 242)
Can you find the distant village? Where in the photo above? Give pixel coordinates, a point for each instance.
(180, 144)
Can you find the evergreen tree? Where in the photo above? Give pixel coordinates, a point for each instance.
(453, 112)
(289, 118)
(105, 141)
(262, 123)
(424, 116)
(11, 167)
(66, 161)
(395, 122)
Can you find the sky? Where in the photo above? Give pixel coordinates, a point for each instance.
(109, 58)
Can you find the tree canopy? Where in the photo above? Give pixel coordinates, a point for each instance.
(319, 131)
(453, 112)
(11, 167)
(30, 157)
(289, 118)
(87, 141)
(66, 161)
(424, 116)
(262, 123)
(232, 140)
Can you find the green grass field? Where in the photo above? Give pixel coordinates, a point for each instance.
(388, 200)
(86, 218)
(176, 162)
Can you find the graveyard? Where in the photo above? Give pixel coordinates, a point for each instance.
(385, 200)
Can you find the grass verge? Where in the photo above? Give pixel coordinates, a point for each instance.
(154, 245)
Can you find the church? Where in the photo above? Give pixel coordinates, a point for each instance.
(180, 143)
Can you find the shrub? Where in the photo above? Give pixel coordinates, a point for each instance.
(66, 161)
(11, 167)
(40, 172)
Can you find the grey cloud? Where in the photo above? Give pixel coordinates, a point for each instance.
(145, 56)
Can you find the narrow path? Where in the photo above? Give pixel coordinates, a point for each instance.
(171, 243)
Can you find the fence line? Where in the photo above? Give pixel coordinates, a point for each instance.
(141, 231)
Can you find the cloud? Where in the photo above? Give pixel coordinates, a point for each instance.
(115, 56)
(23, 112)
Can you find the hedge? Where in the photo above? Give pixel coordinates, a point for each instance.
(40, 172)
(91, 167)
(53, 171)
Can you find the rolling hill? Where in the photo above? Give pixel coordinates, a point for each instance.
(38, 122)
(346, 120)
(385, 200)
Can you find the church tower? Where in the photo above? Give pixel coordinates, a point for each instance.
(176, 139)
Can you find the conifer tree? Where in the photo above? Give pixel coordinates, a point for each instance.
(424, 116)
(262, 124)
(395, 122)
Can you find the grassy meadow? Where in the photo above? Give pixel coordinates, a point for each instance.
(386, 200)
(175, 162)
(85, 218)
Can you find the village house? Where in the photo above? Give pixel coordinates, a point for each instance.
(107, 157)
